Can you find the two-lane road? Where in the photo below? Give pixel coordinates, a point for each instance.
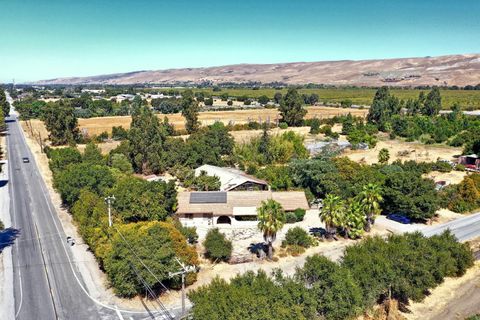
(47, 284)
(465, 228)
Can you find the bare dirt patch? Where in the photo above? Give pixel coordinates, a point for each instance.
(404, 151)
(452, 177)
(105, 147)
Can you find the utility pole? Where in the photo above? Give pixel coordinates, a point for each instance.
(183, 271)
(109, 201)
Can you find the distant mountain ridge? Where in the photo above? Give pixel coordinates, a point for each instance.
(460, 70)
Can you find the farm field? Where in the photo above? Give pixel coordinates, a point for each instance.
(95, 126)
(359, 96)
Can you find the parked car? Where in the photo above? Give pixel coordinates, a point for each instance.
(25, 160)
(399, 218)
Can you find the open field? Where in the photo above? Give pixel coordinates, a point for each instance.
(95, 126)
(359, 96)
(404, 151)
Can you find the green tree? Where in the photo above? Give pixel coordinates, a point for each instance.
(383, 156)
(332, 213)
(333, 287)
(190, 111)
(209, 145)
(407, 193)
(263, 99)
(370, 199)
(433, 102)
(4, 105)
(353, 222)
(208, 102)
(383, 107)
(291, 108)
(119, 133)
(92, 154)
(75, 177)
(204, 182)
(2, 121)
(217, 246)
(271, 219)
(90, 214)
(121, 162)
(277, 97)
(146, 139)
(297, 237)
(315, 126)
(152, 244)
(140, 200)
(61, 123)
(60, 158)
(248, 294)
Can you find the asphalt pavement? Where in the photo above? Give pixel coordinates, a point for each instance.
(465, 228)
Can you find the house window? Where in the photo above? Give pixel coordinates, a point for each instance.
(189, 216)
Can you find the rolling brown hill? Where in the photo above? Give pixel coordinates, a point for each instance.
(449, 70)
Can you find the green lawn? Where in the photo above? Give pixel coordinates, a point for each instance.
(466, 98)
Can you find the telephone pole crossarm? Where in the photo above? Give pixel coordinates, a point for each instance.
(183, 271)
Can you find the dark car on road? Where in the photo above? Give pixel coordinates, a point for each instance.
(399, 218)
(25, 160)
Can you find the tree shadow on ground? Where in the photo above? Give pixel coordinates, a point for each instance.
(259, 249)
(7, 237)
(3, 183)
(318, 232)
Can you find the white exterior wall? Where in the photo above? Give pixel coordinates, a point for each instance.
(201, 222)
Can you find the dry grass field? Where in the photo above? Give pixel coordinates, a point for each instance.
(404, 151)
(95, 126)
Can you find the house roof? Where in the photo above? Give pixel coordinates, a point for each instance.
(230, 178)
(229, 203)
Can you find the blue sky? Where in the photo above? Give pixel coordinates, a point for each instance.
(43, 39)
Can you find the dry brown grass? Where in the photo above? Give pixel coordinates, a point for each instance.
(95, 126)
(105, 147)
(404, 151)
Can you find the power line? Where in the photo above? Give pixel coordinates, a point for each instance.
(139, 259)
(151, 292)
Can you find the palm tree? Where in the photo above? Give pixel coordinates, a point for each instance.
(271, 219)
(354, 220)
(332, 213)
(383, 156)
(370, 199)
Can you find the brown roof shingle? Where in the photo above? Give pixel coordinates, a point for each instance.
(290, 200)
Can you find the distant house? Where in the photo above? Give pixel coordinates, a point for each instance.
(122, 97)
(232, 179)
(471, 161)
(239, 208)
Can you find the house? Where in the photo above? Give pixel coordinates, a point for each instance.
(471, 161)
(235, 208)
(232, 179)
